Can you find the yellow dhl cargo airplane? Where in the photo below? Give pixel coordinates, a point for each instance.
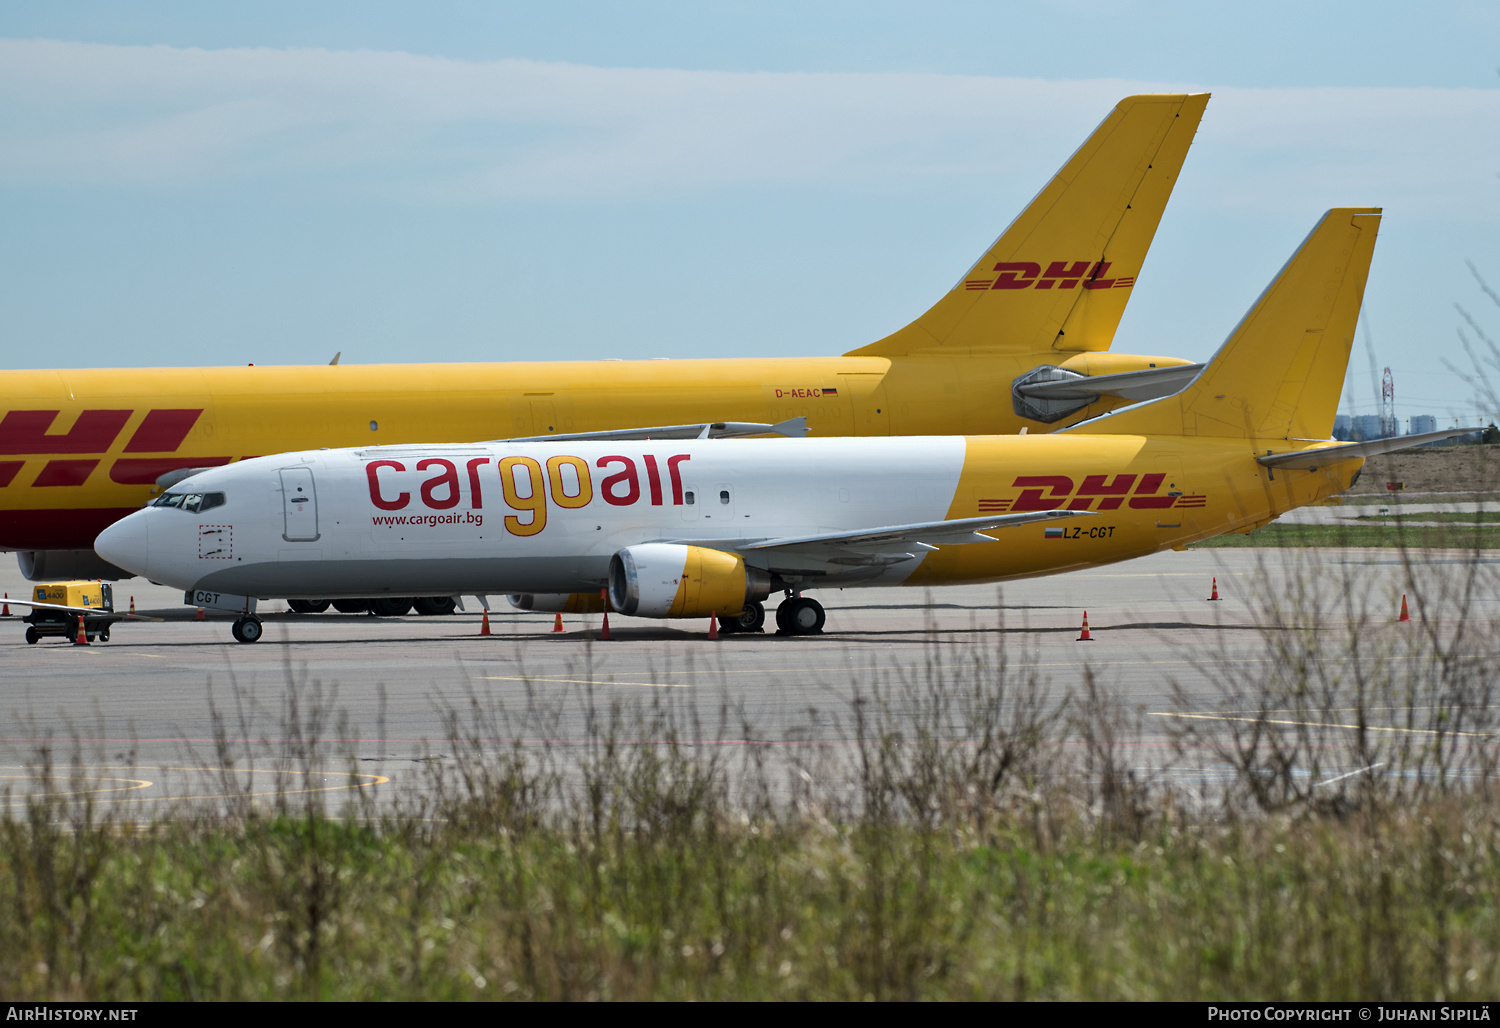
(1020, 341)
(701, 528)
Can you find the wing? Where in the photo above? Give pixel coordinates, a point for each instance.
(91, 611)
(871, 547)
(794, 427)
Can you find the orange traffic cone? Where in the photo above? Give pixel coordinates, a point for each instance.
(1404, 615)
(484, 625)
(83, 638)
(1084, 637)
(200, 616)
(557, 623)
(5, 610)
(713, 624)
(604, 632)
(132, 605)
(1215, 596)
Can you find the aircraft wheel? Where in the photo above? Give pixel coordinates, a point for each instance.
(246, 630)
(307, 606)
(804, 616)
(390, 606)
(434, 606)
(351, 606)
(32, 635)
(751, 619)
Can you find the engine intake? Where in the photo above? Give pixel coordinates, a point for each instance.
(672, 580)
(52, 565)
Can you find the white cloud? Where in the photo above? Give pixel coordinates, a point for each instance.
(431, 127)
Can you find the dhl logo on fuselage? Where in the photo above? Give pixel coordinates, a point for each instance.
(1056, 492)
(1062, 274)
(25, 433)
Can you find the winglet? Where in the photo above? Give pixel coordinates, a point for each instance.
(1059, 277)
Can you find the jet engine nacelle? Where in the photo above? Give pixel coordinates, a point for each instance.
(670, 580)
(563, 603)
(55, 565)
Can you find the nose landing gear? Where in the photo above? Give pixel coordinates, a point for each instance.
(247, 629)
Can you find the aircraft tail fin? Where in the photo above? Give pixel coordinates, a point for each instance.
(1061, 274)
(1280, 372)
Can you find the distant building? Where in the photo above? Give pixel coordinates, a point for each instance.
(1368, 426)
(1342, 429)
(1422, 423)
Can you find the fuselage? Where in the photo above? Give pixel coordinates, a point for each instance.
(548, 517)
(81, 449)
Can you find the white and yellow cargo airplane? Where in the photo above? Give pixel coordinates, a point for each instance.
(679, 529)
(1021, 340)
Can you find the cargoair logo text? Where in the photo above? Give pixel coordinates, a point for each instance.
(1058, 492)
(1059, 274)
(95, 432)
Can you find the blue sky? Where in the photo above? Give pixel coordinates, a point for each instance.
(185, 183)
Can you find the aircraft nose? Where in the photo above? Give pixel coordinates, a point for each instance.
(126, 544)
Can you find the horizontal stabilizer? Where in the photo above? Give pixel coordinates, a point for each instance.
(794, 428)
(1135, 386)
(1309, 460)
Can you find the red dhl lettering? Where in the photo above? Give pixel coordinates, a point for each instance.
(1058, 274)
(1097, 492)
(161, 431)
(94, 431)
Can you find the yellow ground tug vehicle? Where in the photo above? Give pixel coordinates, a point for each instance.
(58, 607)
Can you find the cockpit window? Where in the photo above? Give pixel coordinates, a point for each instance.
(192, 502)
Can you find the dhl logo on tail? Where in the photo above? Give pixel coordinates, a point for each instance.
(1062, 274)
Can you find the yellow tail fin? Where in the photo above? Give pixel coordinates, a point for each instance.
(1280, 372)
(1059, 277)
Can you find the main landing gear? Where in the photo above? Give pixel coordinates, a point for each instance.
(247, 629)
(796, 615)
(799, 615)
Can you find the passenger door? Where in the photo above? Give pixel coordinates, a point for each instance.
(299, 504)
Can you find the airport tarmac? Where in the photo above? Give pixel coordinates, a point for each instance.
(152, 713)
(1353, 511)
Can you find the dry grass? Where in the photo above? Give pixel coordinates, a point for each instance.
(983, 837)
